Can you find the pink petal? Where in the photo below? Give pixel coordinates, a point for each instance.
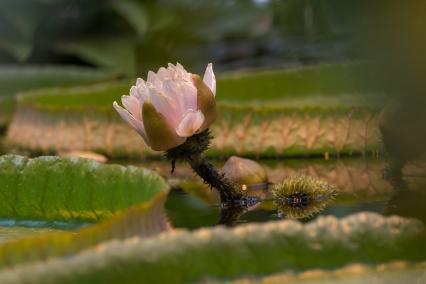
(141, 91)
(190, 123)
(172, 67)
(134, 92)
(166, 106)
(132, 104)
(136, 124)
(183, 94)
(179, 66)
(189, 94)
(210, 79)
(151, 77)
(164, 74)
(139, 82)
(170, 91)
(182, 73)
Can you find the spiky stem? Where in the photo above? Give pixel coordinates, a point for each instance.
(192, 152)
(212, 177)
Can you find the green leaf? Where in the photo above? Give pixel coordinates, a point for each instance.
(52, 188)
(182, 256)
(334, 84)
(142, 220)
(20, 20)
(325, 107)
(19, 48)
(10, 233)
(115, 54)
(393, 272)
(15, 79)
(128, 201)
(134, 13)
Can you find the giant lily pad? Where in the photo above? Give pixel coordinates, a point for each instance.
(128, 202)
(313, 110)
(14, 79)
(181, 256)
(52, 188)
(395, 272)
(10, 233)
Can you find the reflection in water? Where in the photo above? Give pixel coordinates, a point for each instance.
(357, 178)
(409, 198)
(402, 128)
(230, 215)
(302, 196)
(296, 197)
(359, 183)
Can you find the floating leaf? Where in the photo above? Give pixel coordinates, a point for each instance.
(128, 200)
(52, 188)
(310, 110)
(15, 79)
(10, 233)
(257, 249)
(143, 220)
(391, 272)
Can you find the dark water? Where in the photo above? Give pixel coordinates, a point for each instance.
(360, 184)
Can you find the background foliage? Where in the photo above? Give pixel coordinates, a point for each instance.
(131, 36)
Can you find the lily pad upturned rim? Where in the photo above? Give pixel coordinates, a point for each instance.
(271, 90)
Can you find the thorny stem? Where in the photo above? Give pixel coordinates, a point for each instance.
(212, 177)
(192, 152)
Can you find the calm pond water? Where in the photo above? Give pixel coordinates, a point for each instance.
(191, 204)
(359, 181)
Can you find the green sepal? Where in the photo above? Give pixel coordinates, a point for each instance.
(159, 133)
(205, 102)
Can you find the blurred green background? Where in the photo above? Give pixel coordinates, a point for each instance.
(129, 37)
(84, 41)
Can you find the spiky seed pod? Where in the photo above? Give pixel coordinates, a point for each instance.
(302, 196)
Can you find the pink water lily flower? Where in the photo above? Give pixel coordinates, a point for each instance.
(170, 106)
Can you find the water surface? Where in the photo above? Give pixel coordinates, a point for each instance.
(360, 183)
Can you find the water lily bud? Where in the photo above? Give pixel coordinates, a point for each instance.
(170, 106)
(244, 172)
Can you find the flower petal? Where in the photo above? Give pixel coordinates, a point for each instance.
(167, 106)
(139, 82)
(190, 123)
(151, 77)
(132, 104)
(164, 74)
(209, 78)
(170, 105)
(137, 125)
(172, 92)
(183, 74)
